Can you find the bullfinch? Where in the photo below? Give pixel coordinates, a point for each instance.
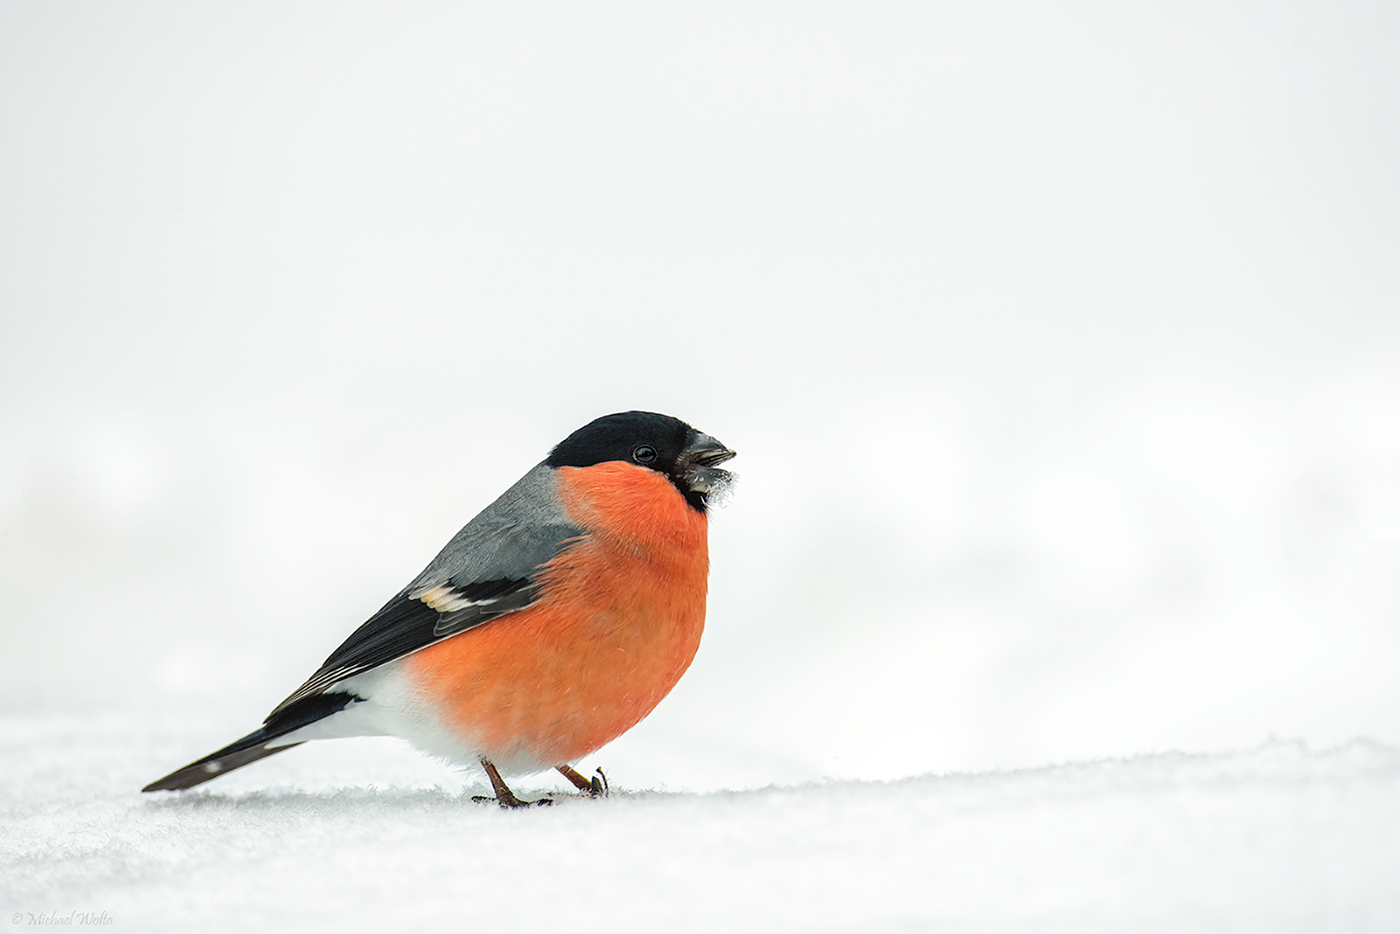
(549, 625)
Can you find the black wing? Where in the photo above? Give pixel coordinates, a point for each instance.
(489, 569)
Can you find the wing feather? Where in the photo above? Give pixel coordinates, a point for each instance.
(489, 569)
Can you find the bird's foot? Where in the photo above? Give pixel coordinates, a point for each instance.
(595, 787)
(504, 796)
(511, 801)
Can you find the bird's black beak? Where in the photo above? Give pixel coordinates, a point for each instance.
(698, 467)
(704, 451)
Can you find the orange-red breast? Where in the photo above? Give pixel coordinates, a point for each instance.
(549, 625)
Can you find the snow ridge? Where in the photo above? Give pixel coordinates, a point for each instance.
(1279, 838)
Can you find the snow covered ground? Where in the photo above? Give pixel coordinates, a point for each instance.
(1274, 839)
(1059, 343)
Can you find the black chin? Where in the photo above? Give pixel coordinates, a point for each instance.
(698, 500)
(698, 484)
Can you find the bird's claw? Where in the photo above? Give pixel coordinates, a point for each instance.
(512, 801)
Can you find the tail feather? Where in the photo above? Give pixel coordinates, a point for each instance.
(256, 745)
(250, 748)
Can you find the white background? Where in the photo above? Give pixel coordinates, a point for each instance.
(1060, 344)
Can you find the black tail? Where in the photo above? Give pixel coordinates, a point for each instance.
(250, 748)
(256, 745)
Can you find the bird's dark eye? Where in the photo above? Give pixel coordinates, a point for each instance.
(644, 454)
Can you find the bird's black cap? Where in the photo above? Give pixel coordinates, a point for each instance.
(617, 437)
(648, 439)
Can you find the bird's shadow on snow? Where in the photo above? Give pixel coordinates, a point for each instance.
(1275, 761)
(373, 799)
